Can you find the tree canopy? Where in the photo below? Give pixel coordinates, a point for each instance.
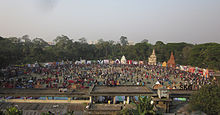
(207, 99)
(22, 50)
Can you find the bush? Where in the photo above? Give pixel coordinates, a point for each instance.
(207, 99)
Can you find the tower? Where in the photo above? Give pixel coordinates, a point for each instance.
(152, 60)
(171, 61)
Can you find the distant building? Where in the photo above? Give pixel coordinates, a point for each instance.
(93, 42)
(152, 60)
(51, 43)
(131, 43)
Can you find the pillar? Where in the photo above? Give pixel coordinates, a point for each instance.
(114, 100)
(128, 99)
(90, 99)
(168, 107)
(69, 99)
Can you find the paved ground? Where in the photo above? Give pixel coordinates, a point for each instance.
(151, 82)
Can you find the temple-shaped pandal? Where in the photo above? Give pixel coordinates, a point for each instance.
(123, 60)
(152, 60)
(171, 61)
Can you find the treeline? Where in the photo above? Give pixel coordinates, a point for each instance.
(23, 50)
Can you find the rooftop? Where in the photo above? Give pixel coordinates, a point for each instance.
(41, 92)
(121, 90)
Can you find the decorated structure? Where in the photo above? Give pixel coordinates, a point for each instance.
(152, 60)
(164, 64)
(123, 60)
(171, 61)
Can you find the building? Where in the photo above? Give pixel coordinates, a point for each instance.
(131, 43)
(171, 61)
(152, 60)
(93, 42)
(51, 43)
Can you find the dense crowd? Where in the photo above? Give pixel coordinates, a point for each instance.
(79, 76)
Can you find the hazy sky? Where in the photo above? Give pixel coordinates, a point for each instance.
(192, 21)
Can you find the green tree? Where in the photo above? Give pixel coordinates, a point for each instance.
(143, 50)
(160, 51)
(83, 40)
(144, 106)
(144, 41)
(13, 111)
(69, 113)
(39, 42)
(1, 112)
(207, 99)
(205, 55)
(124, 40)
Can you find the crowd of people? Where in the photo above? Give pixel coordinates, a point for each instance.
(79, 76)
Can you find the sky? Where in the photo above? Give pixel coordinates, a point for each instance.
(191, 21)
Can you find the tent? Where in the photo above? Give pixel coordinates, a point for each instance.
(88, 62)
(164, 64)
(181, 68)
(192, 69)
(62, 62)
(83, 61)
(129, 61)
(77, 62)
(112, 62)
(141, 62)
(157, 82)
(117, 61)
(29, 65)
(135, 62)
(100, 61)
(106, 61)
(206, 73)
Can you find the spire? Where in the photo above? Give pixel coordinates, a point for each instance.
(153, 53)
(171, 56)
(171, 61)
(152, 60)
